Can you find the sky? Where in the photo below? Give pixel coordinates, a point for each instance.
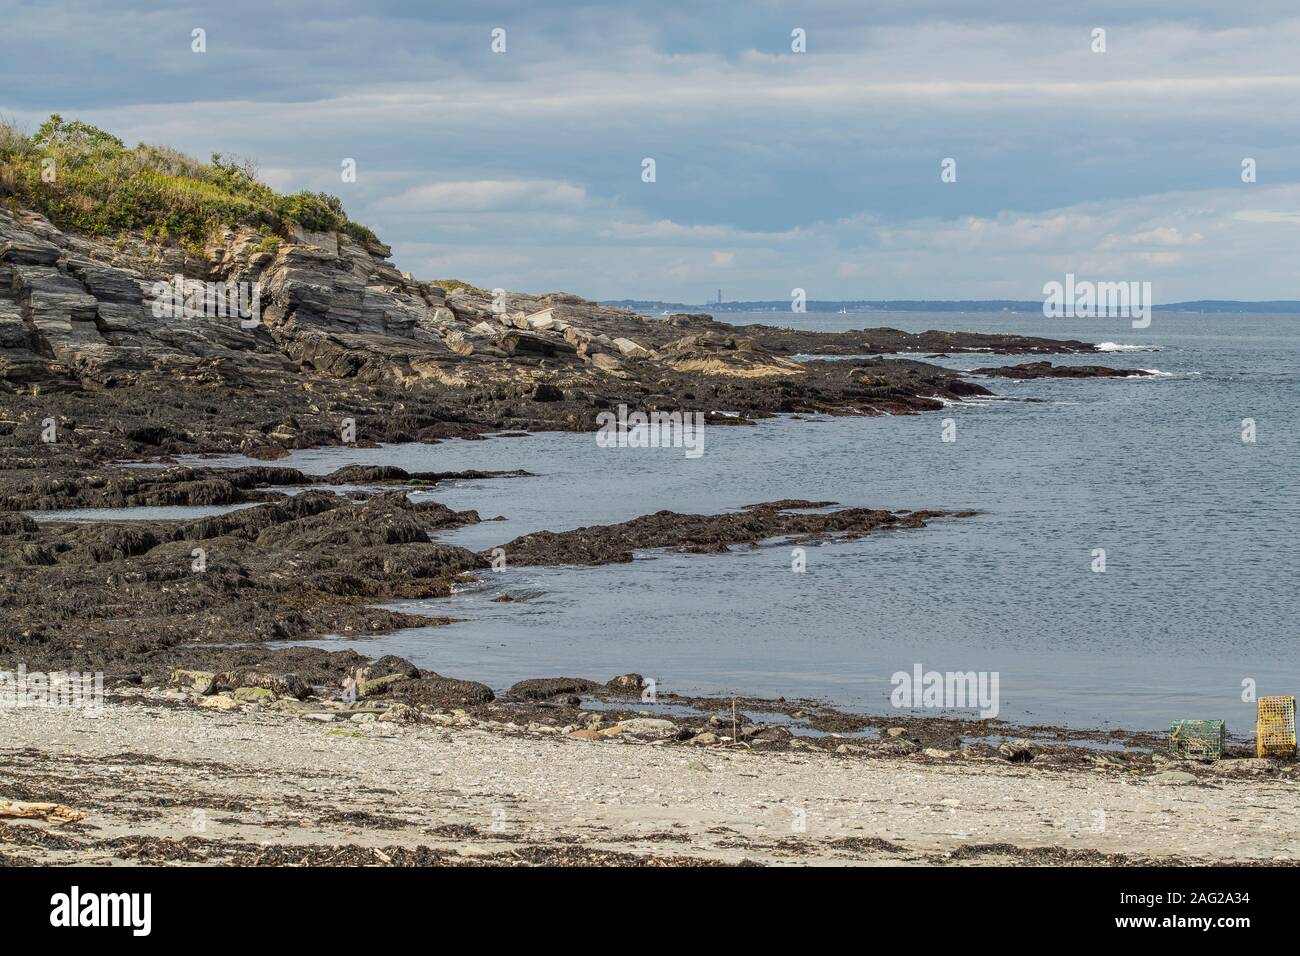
(773, 169)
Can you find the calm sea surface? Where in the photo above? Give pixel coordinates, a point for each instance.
(1199, 530)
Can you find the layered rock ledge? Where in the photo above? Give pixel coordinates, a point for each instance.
(93, 368)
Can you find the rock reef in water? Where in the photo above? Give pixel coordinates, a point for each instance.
(708, 534)
(150, 597)
(1027, 370)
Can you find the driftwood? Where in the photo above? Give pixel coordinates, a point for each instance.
(49, 812)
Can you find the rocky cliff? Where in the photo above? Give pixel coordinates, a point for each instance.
(91, 341)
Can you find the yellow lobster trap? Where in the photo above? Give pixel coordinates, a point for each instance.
(1275, 727)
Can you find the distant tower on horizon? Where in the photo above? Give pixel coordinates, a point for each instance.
(719, 297)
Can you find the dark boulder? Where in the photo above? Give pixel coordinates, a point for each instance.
(544, 688)
(433, 690)
(391, 664)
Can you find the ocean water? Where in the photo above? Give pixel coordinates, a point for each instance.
(1196, 604)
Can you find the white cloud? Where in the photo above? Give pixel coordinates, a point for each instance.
(818, 169)
(1275, 216)
(1189, 245)
(481, 195)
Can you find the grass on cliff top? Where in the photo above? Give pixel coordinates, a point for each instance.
(85, 179)
(455, 285)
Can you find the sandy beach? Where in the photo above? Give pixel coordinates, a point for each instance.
(159, 780)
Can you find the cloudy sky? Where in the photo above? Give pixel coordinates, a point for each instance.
(773, 169)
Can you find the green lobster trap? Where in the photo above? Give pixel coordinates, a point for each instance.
(1197, 739)
(1275, 727)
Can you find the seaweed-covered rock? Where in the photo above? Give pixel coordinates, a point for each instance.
(544, 688)
(15, 522)
(443, 692)
(282, 685)
(197, 682)
(626, 684)
(1016, 751)
(391, 664)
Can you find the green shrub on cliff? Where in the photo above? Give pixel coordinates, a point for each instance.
(453, 285)
(86, 179)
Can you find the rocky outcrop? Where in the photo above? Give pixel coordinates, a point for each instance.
(152, 593)
(89, 329)
(185, 485)
(76, 312)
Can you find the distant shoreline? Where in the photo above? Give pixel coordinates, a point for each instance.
(1278, 307)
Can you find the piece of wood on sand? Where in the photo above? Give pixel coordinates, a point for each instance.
(49, 812)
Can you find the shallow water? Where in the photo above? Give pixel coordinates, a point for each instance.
(1198, 528)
